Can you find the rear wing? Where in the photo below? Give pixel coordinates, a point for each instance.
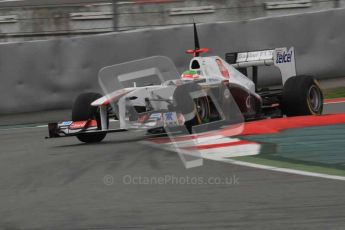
(282, 58)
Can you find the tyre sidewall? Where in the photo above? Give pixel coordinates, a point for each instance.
(295, 96)
(82, 111)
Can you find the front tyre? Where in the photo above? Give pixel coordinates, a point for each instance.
(302, 96)
(82, 111)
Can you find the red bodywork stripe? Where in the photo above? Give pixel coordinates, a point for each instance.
(83, 124)
(91, 123)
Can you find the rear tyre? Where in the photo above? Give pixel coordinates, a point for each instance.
(82, 111)
(302, 96)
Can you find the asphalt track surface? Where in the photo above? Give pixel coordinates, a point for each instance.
(62, 184)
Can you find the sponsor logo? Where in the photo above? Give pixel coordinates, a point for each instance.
(169, 116)
(284, 57)
(213, 80)
(187, 76)
(227, 93)
(156, 116)
(78, 124)
(66, 123)
(225, 73)
(170, 119)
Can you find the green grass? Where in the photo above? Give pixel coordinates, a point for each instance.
(290, 165)
(334, 93)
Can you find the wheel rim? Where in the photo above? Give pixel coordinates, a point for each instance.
(314, 98)
(202, 108)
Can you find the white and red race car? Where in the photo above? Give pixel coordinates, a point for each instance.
(151, 95)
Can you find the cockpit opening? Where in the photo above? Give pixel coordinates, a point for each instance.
(195, 65)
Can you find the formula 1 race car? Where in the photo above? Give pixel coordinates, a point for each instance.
(151, 95)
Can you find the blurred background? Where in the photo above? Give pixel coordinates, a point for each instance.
(52, 50)
(23, 20)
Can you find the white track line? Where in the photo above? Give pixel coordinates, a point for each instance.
(277, 169)
(24, 127)
(334, 102)
(222, 154)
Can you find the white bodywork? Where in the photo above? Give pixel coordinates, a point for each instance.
(210, 71)
(213, 70)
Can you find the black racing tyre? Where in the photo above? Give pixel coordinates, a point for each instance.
(302, 96)
(185, 104)
(82, 111)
